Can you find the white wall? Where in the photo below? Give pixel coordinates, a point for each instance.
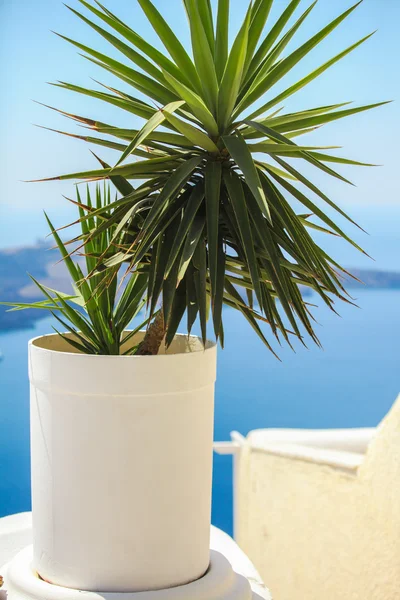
(322, 532)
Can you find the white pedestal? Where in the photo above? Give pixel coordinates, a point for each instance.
(231, 575)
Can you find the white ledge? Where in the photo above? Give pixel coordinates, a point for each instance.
(342, 449)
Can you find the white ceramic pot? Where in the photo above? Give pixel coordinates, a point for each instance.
(121, 465)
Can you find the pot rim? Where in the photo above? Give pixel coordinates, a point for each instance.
(210, 346)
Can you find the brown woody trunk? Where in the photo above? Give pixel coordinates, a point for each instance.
(154, 336)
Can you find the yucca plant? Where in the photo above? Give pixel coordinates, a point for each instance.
(94, 314)
(215, 215)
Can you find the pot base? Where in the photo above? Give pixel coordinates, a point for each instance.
(219, 583)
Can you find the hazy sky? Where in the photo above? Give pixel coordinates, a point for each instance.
(31, 56)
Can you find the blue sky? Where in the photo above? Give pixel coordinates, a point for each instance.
(31, 56)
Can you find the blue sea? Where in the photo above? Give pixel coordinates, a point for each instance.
(352, 382)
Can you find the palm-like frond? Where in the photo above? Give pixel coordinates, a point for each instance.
(214, 217)
(95, 315)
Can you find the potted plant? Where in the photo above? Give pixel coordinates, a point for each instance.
(121, 445)
(121, 448)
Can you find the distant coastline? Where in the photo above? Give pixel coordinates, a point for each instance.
(15, 286)
(371, 279)
(43, 264)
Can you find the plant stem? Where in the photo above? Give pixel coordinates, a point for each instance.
(154, 336)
